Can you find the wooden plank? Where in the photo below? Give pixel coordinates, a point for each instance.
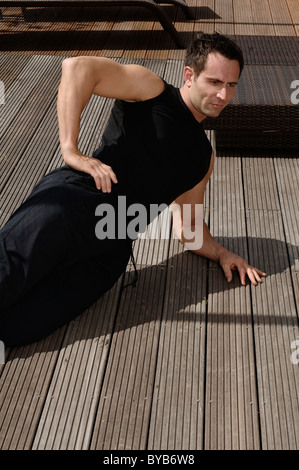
(154, 7)
(178, 401)
(243, 17)
(125, 402)
(137, 40)
(224, 17)
(30, 167)
(206, 22)
(262, 19)
(113, 45)
(206, 11)
(231, 414)
(99, 31)
(140, 23)
(62, 26)
(162, 44)
(185, 29)
(23, 389)
(40, 25)
(174, 72)
(18, 93)
(68, 415)
(9, 19)
(293, 10)
(287, 173)
(27, 372)
(280, 12)
(282, 20)
(72, 27)
(33, 24)
(274, 309)
(22, 119)
(11, 66)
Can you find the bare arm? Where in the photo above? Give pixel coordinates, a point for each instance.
(82, 77)
(210, 248)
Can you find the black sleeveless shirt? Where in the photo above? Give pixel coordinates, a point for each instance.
(156, 148)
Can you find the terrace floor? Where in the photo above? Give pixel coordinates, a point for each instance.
(183, 360)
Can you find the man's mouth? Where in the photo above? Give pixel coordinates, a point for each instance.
(217, 105)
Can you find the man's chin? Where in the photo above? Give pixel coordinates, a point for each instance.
(213, 113)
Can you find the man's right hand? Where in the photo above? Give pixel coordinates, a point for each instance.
(102, 174)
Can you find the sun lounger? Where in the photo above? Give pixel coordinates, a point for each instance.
(149, 4)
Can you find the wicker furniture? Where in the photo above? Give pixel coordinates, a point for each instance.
(264, 111)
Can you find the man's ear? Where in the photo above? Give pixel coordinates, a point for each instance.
(188, 75)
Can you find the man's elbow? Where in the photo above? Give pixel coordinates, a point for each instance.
(70, 64)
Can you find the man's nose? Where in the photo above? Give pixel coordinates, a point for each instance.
(222, 93)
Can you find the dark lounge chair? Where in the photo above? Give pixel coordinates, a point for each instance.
(150, 4)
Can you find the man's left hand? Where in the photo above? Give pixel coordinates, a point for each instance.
(231, 262)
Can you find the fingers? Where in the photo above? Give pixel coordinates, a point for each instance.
(244, 270)
(103, 175)
(253, 274)
(228, 273)
(230, 261)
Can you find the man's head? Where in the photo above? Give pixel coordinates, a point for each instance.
(205, 44)
(212, 69)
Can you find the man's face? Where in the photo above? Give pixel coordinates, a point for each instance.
(209, 93)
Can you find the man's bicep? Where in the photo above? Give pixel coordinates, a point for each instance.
(129, 82)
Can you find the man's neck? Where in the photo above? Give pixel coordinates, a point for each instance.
(185, 95)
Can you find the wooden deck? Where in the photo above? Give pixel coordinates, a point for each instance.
(184, 360)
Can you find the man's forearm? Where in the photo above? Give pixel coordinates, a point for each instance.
(210, 248)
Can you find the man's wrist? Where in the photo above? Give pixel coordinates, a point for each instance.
(220, 252)
(69, 151)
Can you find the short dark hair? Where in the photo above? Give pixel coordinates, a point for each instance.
(204, 44)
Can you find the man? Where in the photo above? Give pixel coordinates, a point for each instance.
(154, 150)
